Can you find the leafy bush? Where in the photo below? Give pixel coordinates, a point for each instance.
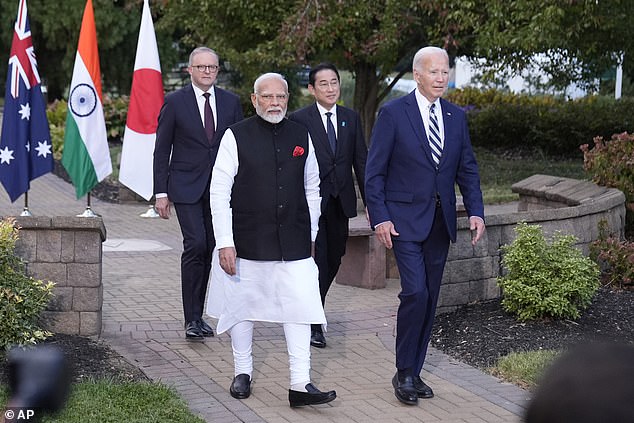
(611, 164)
(56, 115)
(616, 258)
(22, 298)
(555, 126)
(546, 281)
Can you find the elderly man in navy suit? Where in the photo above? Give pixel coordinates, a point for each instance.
(420, 149)
(190, 125)
(339, 149)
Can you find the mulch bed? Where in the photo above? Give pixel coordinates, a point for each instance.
(480, 333)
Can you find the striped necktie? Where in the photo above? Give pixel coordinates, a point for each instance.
(434, 135)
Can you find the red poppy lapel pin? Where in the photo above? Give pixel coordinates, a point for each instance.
(298, 151)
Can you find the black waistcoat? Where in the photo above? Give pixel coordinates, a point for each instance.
(271, 220)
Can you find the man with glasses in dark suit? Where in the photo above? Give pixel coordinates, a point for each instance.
(190, 125)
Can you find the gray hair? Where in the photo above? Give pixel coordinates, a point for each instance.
(425, 52)
(269, 75)
(201, 49)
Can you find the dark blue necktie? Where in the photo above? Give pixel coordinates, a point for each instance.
(332, 137)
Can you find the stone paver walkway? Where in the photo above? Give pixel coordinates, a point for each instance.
(142, 320)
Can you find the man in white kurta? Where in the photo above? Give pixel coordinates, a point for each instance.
(262, 268)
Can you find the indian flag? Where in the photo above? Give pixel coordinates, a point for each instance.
(146, 98)
(86, 155)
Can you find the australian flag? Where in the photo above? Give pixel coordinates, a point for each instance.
(25, 143)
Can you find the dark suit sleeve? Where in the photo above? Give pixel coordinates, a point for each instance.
(468, 177)
(163, 145)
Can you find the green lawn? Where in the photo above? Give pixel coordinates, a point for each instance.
(104, 402)
(498, 171)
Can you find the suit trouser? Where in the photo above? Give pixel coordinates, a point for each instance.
(330, 245)
(198, 246)
(420, 265)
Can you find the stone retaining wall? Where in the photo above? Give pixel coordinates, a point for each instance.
(556, 204)
(68, 252)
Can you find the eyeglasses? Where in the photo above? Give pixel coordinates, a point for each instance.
(203, 68)
(271, 97)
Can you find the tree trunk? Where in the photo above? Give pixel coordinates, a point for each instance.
(366, 88)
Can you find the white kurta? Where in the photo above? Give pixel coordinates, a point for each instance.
(270, 291)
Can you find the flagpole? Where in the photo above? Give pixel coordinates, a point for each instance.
(88, 212)
(25, 211)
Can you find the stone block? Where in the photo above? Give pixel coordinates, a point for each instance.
(62, 299)
(453, 294)
(363, 265)
(84, 274)
(67, 254)
(90, 323)
(87, 247)
(49, 246)
(54, 272)
(484, 289)
(391, 270)
(457, 271)
(26, 246)
(87, 299)
(66, 322)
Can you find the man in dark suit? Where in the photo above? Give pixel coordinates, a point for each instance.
(420, 148)
(337, 153)
(190, 125)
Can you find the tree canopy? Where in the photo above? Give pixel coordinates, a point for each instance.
(582, 39)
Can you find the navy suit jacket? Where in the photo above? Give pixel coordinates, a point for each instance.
(335, 169)
(183, 158)
(402, 181)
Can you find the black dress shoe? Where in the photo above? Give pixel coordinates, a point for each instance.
(193, 331)
(317, 339)
(312, 397)
(404, 390)
(205, 328)
(241, 386)
(422, 389)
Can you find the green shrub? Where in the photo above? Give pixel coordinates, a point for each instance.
(56, 115)
(555, 126)
(115, 110)
(546, 281)
(611, 164)
(22, 298)
(615, 257)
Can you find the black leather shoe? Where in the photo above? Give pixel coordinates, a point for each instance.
(317, 339)
(404, 390)
(193, 331)
(241, 386)
(422, 389)
(205, 328)
(312, 397)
